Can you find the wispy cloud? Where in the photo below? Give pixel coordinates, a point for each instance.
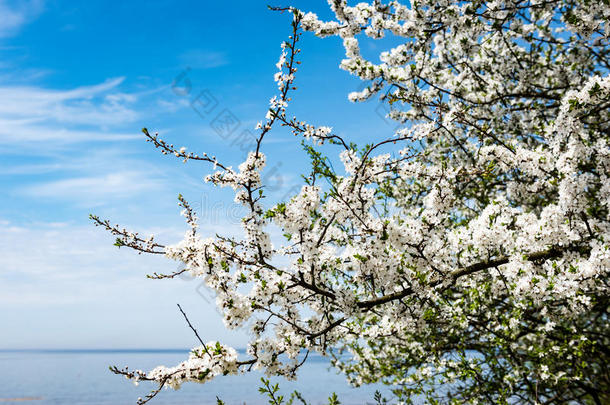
(100, 104)
(68, 146)
(64, 285)
(172, 105)
(92, 189)
(49, 264)
(203, 59)
(30, 114)
(62, 250)
(15, 132)
(16, 14)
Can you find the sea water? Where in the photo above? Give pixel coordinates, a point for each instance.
(74, 377)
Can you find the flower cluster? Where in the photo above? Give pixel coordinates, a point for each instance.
(204, 363)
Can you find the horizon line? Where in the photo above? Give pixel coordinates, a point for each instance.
(105, 350)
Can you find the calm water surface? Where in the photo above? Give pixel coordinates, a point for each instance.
(82, 377)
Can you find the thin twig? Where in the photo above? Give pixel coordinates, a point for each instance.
(194, 330)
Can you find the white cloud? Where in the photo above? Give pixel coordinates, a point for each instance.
(97, 105)
(16, 132)
(103, 176)
(172, 106)
(15, 15)
(92, 189)
(63, 251)
(69, 284)
(203, 59)
(32, 116)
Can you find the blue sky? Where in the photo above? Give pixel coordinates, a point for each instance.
(78, 80)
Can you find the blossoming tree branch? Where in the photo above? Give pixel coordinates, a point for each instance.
(463, 258)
